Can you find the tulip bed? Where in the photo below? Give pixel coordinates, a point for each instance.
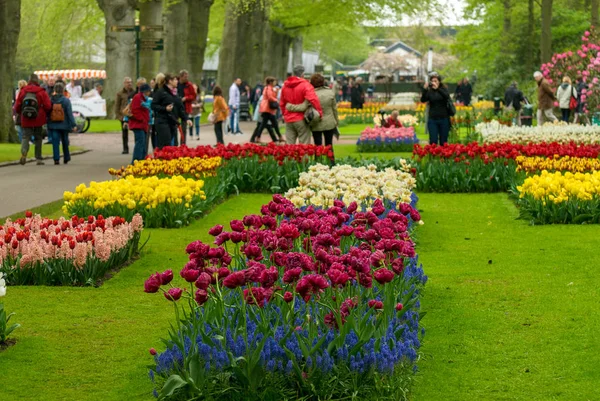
(197, 167)
(37, 251)
(550, 198)
(162, 202)
(484, 168)
(320, 303)
(560, 133)
(322, 186)
(387, 139)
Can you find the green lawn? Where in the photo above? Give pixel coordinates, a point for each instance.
(92, 343)
(12, 151)
(102, 126)
(511, 311)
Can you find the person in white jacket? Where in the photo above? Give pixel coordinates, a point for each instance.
(563, 95)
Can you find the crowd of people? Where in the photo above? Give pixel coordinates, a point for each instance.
(167, 110)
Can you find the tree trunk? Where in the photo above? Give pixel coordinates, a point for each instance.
(199, 13)
(150, 14)
(297, 50)
(242, 47)
(176, 32)
(277, 52)
(529, 54)
(546, 37)
(594, 7)
(120, 47)
(10, 25)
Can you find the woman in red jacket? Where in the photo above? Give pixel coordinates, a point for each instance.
(138, 122)
(267, 112)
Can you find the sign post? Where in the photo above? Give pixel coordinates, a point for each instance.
(146, 44)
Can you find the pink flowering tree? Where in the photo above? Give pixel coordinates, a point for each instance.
(584, 61)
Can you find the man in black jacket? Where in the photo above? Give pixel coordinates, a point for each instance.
(513, 98)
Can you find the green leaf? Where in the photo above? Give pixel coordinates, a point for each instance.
(173, 383)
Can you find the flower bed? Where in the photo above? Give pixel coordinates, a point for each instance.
(557, 163)
(505, 150)
(387, 139)
(483, 168)
(5, 328)
(248, 150)
(550, 198)
(78, 251)
(162, 202)
(322, 186)
(192, 167)
(318, 304)
(560, 133)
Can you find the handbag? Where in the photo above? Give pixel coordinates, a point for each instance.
(211, 118)
(450, 107)
(573, 101)
(311, 115)
(273, 105)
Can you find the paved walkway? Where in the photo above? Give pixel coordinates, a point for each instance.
(28, 186)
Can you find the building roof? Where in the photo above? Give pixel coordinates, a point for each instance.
(401, 45)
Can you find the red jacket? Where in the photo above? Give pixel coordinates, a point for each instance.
(391, 123)
(268, 96)
(295, 91)
(189, 97)
(44, 105)
(140, 116)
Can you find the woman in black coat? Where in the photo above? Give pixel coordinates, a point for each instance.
(438, 123)
(168, 111)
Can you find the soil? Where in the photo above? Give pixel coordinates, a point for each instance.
(8, 343)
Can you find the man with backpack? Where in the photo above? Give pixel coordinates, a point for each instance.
(60, 123)
(33, 105)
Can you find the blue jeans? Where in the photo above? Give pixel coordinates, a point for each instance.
(234, 119)
(57, 136)
(438, 130)
(196, 121)
(139, 150)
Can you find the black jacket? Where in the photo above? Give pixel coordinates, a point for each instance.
(580, 87)
(438, 102)
(357, 97)
(513, 96)
(466, 92)
(162, 98)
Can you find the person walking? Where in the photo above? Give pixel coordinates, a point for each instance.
(60, 123)
(268, 110)
(187, 94)
(458, 91)
(220, 113)
(33, 105)
(438, 123)
(197, 109)
(581, 102)
(139, 122)
(466, 92)
(296, 90)
(168, 110)
(513, 99)
(121, 101)
(17, 117)
(326, 126)
(234, 107)
(357, 95)
(563, 94)
(546, 99)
